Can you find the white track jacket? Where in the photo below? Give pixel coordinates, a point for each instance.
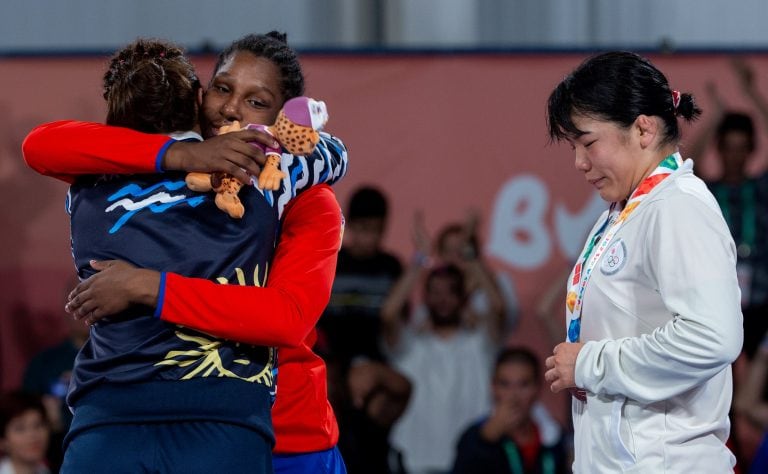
(662, 324)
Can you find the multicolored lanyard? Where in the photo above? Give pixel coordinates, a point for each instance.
(516, 462)
(599, 242)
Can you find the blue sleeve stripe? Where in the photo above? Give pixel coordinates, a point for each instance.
(160, 296)
(161, 154)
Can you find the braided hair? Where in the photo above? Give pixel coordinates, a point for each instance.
(150, 86)
(272, 46)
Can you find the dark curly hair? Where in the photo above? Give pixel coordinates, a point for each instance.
(151, 86)
(272, 46)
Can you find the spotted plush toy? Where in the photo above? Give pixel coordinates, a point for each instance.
(296, 129)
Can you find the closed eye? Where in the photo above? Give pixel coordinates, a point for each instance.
(257, 103)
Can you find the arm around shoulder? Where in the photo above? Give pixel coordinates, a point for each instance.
(68, 148)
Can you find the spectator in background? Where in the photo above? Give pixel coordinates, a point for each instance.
(510, 438)
(750, 402)
(488, 292)
(366, 393)
(448, 361)
(743, 199)
(377, 395)
(489, 295)
(365, 273)
(47, 375)
(23, 434)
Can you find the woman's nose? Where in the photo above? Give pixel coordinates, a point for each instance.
(230, 111)
(581, 162)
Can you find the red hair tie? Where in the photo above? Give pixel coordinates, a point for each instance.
(675, 100)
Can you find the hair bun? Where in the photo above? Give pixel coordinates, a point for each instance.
(687, 107)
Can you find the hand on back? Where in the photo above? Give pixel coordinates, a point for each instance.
(115, 287)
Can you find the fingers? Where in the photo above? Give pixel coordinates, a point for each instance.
(556, 383)
(80, 305)
(554, 375)
(259, 136)
(230, 153)
(100, 265)
(72, 299)
(234, 156)
(75, 298)
(561, 366)
(93, 317)
(85, 309)
(243, 155)
(549, 363)
(239, 174)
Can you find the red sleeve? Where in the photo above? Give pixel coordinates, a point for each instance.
(69, 148)
(298, 289)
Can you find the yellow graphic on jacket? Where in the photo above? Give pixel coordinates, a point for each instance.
(241, 277)
(208, 361)
(208, 356)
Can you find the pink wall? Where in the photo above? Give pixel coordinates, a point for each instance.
(441, 134)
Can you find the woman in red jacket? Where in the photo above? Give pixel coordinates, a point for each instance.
(247, 86)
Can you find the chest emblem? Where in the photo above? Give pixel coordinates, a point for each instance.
(614, 259)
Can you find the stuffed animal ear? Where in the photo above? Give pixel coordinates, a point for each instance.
(319, 113)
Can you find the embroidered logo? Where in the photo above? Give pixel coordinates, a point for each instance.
(614, 259)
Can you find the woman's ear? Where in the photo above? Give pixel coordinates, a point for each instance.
(647, 129)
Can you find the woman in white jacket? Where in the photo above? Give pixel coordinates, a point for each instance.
(653, 311)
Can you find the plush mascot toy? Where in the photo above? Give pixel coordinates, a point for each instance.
(296, 129)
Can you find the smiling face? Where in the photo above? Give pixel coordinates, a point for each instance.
(246, 88)
(610, 157)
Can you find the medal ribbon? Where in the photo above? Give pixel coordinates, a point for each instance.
(599, 242)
